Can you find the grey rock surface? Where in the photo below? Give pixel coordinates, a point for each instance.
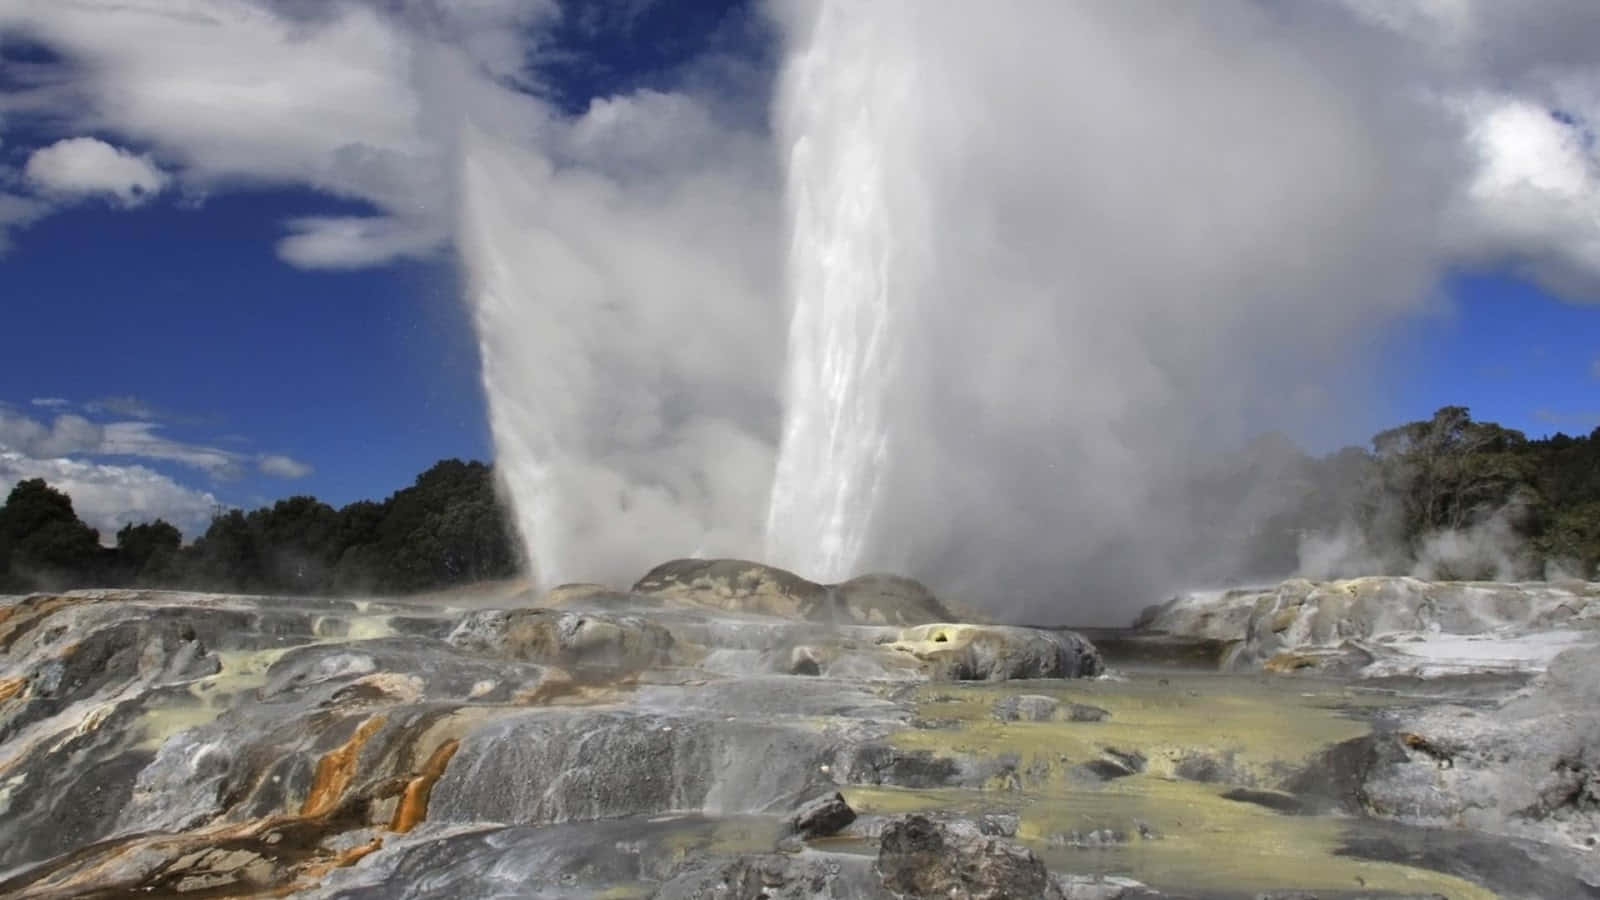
(1385, 626)
(1529, 767)
(823, 816)
(922, 857)
(958, 652)
(713, 732)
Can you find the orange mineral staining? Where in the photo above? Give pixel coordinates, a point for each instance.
(336, 769)
(413, 806)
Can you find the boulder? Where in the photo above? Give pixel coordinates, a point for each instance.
(778, 876)
(1527, 768)
(888, 600)
(1026, 708)
(736, 585)
(922, 857)
(578, 640)
(1104, 887)
(952, 652)
(1382, 625)
(585, 595)
(1039, 708)
(824, 816)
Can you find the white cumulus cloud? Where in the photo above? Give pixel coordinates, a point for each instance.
(1535, 195)
(347, 242)
(66, 435)
(90, 166)
(280, 466)
(70, 434)
(111, 496)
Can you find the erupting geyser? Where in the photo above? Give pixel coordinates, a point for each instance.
(981, 300)
(839, 98)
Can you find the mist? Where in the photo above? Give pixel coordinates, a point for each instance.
(988, 302)
(1084, 252)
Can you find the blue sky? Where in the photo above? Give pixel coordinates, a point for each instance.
(148, 287)
(179, 312)
(1506, 349)
(367, 376)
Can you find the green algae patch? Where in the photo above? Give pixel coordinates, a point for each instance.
(1154, 824)
(1253, 729)
(1181, 835)
(878, 800)
(207, 698)
(732, 835)
(242, 671)
(1175, 835)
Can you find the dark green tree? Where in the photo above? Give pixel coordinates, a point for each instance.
(43, 542)
(147, 553)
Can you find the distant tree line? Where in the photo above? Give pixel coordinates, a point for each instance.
(1446, 498)
(448, 528)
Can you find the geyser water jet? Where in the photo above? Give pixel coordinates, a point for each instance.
(836, 111)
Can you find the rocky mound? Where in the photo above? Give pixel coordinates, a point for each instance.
(953, 652)
(1387, 626)
(1527, 767)
(735, 585)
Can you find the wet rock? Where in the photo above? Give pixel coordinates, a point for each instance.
(874, 763)
(1507, 867)
(580, 640)
(393, 670)
(921, 857)
(1276, 801)
(591, 596)
(779, 876)
(1084, 712)
(953, 652)
(1039, 708)
(1114, 764)
(736, 585)
(1345, 658)
(1217, 767)
(824, 816)
(804, 661)
(1104, 887)
(999, 824)
(622, 744)
(1026, 708)
(1381, 625)
(1528, 768)
(1093, 839)
(888, 600)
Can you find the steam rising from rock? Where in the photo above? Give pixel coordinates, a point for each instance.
(628, 354)
(1043, 267)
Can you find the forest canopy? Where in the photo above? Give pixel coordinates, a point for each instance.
(447, 528)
